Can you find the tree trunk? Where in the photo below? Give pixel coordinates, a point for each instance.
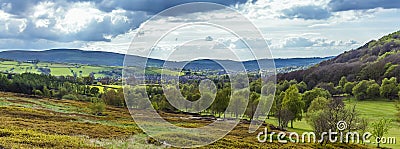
(291, 123)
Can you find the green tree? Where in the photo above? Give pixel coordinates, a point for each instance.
(4, 83)
(373, 90)
(397, 105)
(277, 107)
(343, 81)
(282, 86)
(302, 86)
(46, 92)
(310, 95)
(360, 90)
(38, 93)
(253, 103)
(238, 102)
(323, 115)
(62, 92)
(380, 128)
(221, 101)
(348, 87)
(94, 91)
(330, 87)
(97, 107)
(389, 88)
(292, 102)
(319, 103)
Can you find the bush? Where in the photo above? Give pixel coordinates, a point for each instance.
(97, 108)
(38, 93)
(70, 97)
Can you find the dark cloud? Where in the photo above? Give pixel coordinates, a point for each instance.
(21, 24)
(150, 6)
(156, 6)
(18, 7)
(310, 12)
(344, 5)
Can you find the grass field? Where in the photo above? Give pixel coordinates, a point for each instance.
(109, 87)
(63, 69)
(371, 110)
(375, 110)
(56, 69)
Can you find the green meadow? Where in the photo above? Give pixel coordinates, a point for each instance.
(371, 110)
(56, 69)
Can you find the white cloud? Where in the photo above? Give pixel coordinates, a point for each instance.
(74, 21)
(110, 25)
(304, 41)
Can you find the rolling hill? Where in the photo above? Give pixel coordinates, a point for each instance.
(115, 59)
(376, 60)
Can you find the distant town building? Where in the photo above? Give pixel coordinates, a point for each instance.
(32, 61)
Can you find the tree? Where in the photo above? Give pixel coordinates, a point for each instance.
(302, 86)
(397, 105)
(62, 92)
(373, 90)
(4, 83)
(310, 95)
(221, 101)
(348, 87)
(253, 103)
(94, 91)
(380, 128)
(38, 93)
(318, 104)
(97, 107)
(238, 102)
(277, 108)
(360, 90)
(292, 102)
(327, 86)
(255, 86)
(389, 88)
(323, 116)
(282, 86)
(343, 81)
(46, 92)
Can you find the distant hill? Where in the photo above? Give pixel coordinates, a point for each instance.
(376, 60)
(115, 59)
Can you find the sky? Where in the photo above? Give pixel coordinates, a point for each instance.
(291, 28)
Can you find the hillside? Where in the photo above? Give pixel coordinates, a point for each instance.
(376, 60)
(31, 122)
(115, 59)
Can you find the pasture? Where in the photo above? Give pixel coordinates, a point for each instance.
(371, 110)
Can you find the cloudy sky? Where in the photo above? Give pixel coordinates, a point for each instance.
(292, 28)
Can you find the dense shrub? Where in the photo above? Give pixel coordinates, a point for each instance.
(70, 97)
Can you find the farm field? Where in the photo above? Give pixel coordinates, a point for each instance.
(56, 69)
(30, 122)
(65, 69)
(109, 87)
